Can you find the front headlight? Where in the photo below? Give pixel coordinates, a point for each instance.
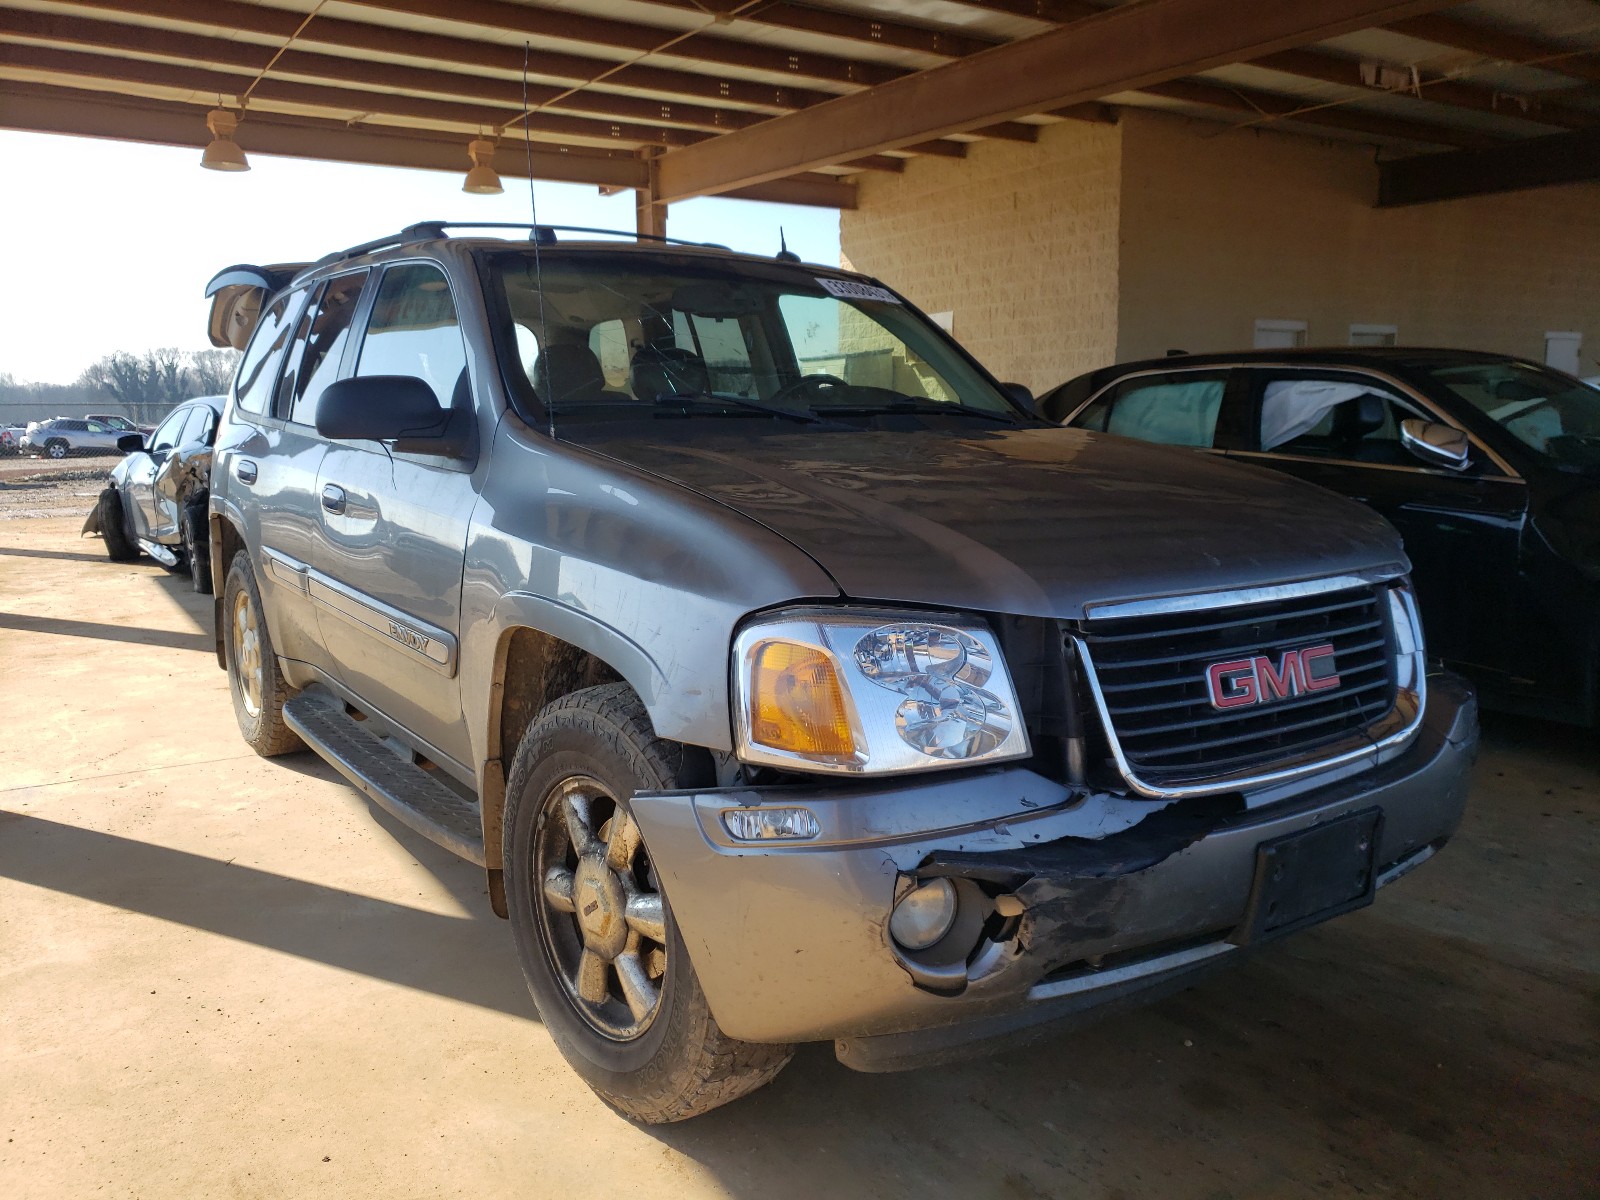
(862, 692)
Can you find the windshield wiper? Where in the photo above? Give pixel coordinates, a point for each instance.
(688, 398)
(922, 407)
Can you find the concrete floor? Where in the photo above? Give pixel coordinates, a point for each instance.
(222, 976)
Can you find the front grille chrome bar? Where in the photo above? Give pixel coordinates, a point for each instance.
(1376, 743)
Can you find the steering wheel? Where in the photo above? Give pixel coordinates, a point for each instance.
(812, 387)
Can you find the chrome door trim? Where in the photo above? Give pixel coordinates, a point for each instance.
(1419, 469)
(285, 570)
(423, 642)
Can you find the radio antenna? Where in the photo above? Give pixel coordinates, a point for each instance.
(538, 264)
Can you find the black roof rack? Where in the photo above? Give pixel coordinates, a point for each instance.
(545, 235)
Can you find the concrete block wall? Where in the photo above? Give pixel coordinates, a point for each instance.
(1018, 242)
(1102, 243)
(1220, 228)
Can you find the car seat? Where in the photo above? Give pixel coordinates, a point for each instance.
(569, 374)
(660, 371)
(1353, 421)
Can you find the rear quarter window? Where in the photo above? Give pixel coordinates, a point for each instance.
(258, 370)
(1171, 410)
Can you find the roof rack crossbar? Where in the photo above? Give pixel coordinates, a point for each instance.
(543, 234)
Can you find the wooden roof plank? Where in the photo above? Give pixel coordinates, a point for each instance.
(1121, 49)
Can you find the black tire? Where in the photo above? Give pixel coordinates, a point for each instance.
(196, 546)
(114, 527)
(264, 728)
(679, 1064)
(57, 449)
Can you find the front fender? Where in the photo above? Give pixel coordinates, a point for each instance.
(647, 575)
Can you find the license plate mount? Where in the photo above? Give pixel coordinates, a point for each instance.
(1309, 876)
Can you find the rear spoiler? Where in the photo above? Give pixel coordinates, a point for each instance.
(237, 294)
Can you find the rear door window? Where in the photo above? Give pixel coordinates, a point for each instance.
(1180, 409)
(326, 333)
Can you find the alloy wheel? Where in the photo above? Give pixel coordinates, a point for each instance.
(600, 907)
(247, 652)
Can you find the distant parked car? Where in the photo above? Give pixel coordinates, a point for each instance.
(61, 436)
(10, 436)
(120, 423)
(1489, 466)
(156, 502)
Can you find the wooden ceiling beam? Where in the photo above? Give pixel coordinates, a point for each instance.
(1056, 12)
(1533, 162)
(1271, 104)
(846, 26)
(1304, 64)
(1346, 72)
(939, 148)
(112, 37)
(699, 47)
(1117, 50)
(817, 191)
(340, 100)
(42, 108)
(1500, 46)
(580, 28)
(475, 56)
(277, 25)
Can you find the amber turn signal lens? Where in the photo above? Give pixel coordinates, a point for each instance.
(797, 703)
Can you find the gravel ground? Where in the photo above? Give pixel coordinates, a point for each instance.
(36, 487)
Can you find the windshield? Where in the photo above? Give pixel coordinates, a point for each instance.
(617, 337)
(1548, 412)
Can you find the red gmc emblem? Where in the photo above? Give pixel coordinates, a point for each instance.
(1257, 680)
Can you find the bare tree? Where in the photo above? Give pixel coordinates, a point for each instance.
(211, 371)
(148, 384)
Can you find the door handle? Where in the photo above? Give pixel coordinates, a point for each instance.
(245, 470)
(333, 498)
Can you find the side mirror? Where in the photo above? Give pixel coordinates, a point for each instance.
(130, 443)
(1435, 444)
(1022, 396)
(401, 409)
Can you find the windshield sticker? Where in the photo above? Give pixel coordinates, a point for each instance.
(849, 289)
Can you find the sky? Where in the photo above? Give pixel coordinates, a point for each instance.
(111, 243)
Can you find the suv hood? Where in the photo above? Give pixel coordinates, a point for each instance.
(1030, 521)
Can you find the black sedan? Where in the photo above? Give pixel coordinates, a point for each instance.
(1489, 466)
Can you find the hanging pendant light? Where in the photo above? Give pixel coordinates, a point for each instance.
(223, 154)
(482, 179)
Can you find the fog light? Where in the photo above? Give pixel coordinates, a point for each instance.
(924, 914)
(767, 824)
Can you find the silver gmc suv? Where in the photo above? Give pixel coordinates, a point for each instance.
(789, 679)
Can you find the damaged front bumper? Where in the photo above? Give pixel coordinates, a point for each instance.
(1072, 900)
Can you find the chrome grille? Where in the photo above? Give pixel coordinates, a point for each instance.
(1150, 672)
